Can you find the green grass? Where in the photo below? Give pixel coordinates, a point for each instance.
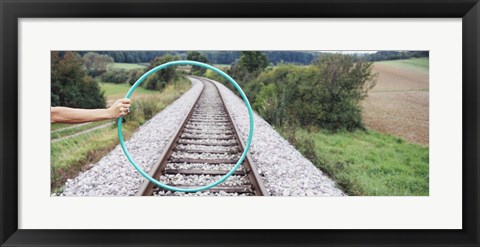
(416, 64)
(72, 155)
(75, 128)
(113, 90)
(58, 126)
(368, 163)
(126, 66)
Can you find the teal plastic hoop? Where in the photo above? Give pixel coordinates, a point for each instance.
(207, 66)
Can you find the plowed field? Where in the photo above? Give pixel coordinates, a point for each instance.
(399, 103)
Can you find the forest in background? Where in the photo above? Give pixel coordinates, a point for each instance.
(274, 57)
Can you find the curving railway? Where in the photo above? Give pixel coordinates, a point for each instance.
(205, 147)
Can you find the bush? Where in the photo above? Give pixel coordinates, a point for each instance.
(96, 64)
(115, 76)
(241, 74)
(145, 108)
(197, 56)
(214, 76)
(142, 110)
(266, 103)
(344, 84)
(134, 75)
(326, 94)
(275, 94)
(159, 80)
(149, 108)
(253, 61)
(95, 73)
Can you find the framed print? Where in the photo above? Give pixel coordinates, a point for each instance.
(259, 123)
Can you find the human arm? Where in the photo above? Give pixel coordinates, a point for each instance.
(61, 114)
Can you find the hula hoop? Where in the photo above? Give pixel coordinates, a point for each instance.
(207, 66)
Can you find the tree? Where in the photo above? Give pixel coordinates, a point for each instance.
(70, 84)
(158, 80)
(134, 75)
(266, 103)
(326, 94)
(117, 76)
(343, 84)
(253, 61)
(197, 56)
(96, 64)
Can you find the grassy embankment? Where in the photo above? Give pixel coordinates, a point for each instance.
(73, 154)
(117, 91)
(367, 162)
(71, 129)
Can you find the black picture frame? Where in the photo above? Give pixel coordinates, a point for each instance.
(11, 10)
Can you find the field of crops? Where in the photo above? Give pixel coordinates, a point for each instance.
(399, 103)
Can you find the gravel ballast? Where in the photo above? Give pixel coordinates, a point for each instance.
(284, 170)
(209, 115)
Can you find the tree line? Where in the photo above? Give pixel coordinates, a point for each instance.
(274, 57)
(391, 55)
(215, 57)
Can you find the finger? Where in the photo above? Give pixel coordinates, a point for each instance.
(125, 101)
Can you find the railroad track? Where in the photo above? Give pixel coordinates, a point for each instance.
(205, 148)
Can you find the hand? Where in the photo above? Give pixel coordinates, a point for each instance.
(120, 108)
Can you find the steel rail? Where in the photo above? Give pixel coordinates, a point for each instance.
(254, 176)
(256, 183)
(146, 188)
